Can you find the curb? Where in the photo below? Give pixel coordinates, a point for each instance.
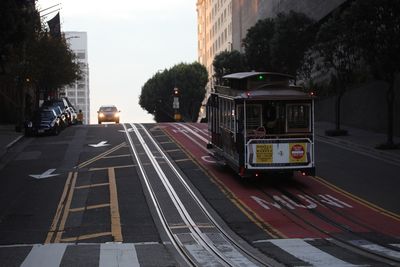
(361, 149)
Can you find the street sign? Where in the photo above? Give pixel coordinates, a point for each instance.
(175, 104)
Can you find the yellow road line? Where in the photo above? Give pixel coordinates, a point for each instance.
(114, 209)
(90, 161)
(115, 167)
(180, 160)
(66, 210)
(358, 199)
(85, 237)
(90, 207)
(91, 185)
(172, 150)
(59, 210)
(117, 156)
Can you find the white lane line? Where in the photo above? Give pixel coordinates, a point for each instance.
(122, 255)
(395, 245)
(382, 250)
(193, 132)
(308, 253)
(47, 255)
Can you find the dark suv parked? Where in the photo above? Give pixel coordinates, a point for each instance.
(44, 121)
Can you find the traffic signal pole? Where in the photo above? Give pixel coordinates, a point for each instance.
(175, 105)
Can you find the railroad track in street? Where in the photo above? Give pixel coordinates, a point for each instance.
(335, 220)
(320, 215)
(192, 231)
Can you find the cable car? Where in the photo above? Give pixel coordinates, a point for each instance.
(260, 123)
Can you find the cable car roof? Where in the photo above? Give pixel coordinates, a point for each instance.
(245, 75)
(274, 94)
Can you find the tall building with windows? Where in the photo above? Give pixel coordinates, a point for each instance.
(223, 24)
(78, 93)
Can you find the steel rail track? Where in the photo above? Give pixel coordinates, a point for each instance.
(199, 203)
(154, 199)
(355, 221)
(333, 239)
(340, 241)
(195, 231)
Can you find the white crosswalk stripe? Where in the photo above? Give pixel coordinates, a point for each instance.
(122, 255)
(128, 254)
(308, 253)
(377, 248)
(45, 255)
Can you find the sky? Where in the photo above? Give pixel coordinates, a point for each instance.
(128, 42)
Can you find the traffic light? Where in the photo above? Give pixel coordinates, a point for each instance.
(261, 77)
(176, 91)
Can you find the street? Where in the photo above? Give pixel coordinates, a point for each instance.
(151, 194)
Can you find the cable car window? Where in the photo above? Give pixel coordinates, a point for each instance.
(298, 117)
(253, 116)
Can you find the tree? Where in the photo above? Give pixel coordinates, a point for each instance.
(376, 29)
(30, 59)
(293, 35)
(52, 64)
(228, 62)
(340, 59)
(257, 45)
(157, 93)
(19, 26)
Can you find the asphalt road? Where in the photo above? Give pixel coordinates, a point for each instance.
(369, 178)
(83, 187)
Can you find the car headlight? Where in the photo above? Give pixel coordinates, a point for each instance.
(116, 114)
(101, 115)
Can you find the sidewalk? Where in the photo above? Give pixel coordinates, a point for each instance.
(8, 137)
(360, 140)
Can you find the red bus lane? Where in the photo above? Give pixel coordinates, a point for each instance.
(305, 207)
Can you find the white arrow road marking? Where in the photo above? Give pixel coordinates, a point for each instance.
(101, 144)
(46, 174)
(208, 159)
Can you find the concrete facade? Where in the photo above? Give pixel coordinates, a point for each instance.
(78, 93)
(222, 24)
(246, 13)
(363, 107)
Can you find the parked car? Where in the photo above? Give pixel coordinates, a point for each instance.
(108, 114)
(44, 121)
(66, 108)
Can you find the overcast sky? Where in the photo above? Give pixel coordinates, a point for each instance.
(128, 42)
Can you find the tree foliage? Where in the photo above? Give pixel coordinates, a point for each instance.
(278, 44)
(376, 25)
(228, 62)
(339, 57)
(30, 59)
(52, 64)
(294, 34)
(157, 93)
(257, 45)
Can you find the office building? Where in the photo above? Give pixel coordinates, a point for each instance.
(223, 24)
(78, 93)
